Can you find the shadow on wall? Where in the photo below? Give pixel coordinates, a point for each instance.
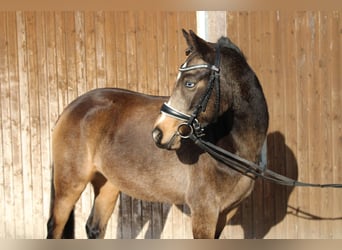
(266, 207)
(268, 203)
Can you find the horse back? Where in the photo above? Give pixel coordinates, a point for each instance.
(109, 131)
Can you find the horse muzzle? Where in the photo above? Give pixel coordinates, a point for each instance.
(172, 144)
(165, 132)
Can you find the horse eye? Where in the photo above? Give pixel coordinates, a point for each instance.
(189, 84)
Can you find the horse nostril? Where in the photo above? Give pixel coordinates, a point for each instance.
(157, 135)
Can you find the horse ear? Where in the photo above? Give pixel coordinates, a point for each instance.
(201, 46)
(188, 41)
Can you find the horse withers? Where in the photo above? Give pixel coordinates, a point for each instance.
(104, 137)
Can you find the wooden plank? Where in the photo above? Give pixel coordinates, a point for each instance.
(146, 217)
(125, 217)
(287, 34)
(52, 74)
(23, 169)
(157, 219)
(13, 176)
(152, 56)
(62, 82)
(131, 47)
(34, 167)
(163, 80)
(6, 181)
(173, 59)
(80, 53)
(4, 81)
(136, 223)
(111, 62)
(90, 50)
(323, 135)
(70, 52)
(44, 117)
(304, 70)
(100, 49)
(313, 113)
(141, 56)
(120, 50)
(335, 76)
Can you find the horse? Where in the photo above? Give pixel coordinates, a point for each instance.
(138, 144)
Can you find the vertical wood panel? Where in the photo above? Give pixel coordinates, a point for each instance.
(23, 174)
(288, 57)
(44, 124)
(100, 49)
(302, 84)
(6, 194)
(90, 50)
(13, 180)
(335, 78)
(35, 177)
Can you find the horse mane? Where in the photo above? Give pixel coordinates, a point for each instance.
(225, 42)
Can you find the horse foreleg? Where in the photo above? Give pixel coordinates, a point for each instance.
(204, 220)
(105, 198)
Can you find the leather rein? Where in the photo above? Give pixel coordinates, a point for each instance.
(195, 133)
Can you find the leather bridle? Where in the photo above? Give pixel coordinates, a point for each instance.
(191, 121)
(194, 131)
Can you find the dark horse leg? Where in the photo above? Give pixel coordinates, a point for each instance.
(224, 217)
(105, 199)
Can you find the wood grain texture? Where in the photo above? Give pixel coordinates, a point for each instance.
(296, 56)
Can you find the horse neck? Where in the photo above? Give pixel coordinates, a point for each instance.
(243, 124)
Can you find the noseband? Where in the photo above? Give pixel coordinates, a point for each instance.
(191, 121)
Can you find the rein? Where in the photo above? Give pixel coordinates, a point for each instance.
(249, 168)
(195, 132)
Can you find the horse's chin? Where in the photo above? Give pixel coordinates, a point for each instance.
(173, 144)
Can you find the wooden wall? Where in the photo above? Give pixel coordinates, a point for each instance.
(49, 58)
(298, 59)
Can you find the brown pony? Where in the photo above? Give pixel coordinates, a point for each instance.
(104, 137)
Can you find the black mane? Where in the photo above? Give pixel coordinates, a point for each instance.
(225, 42)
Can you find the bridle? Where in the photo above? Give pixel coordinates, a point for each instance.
(190, 121)
(194, 131)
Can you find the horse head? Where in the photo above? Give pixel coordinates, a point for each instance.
(202, 91)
